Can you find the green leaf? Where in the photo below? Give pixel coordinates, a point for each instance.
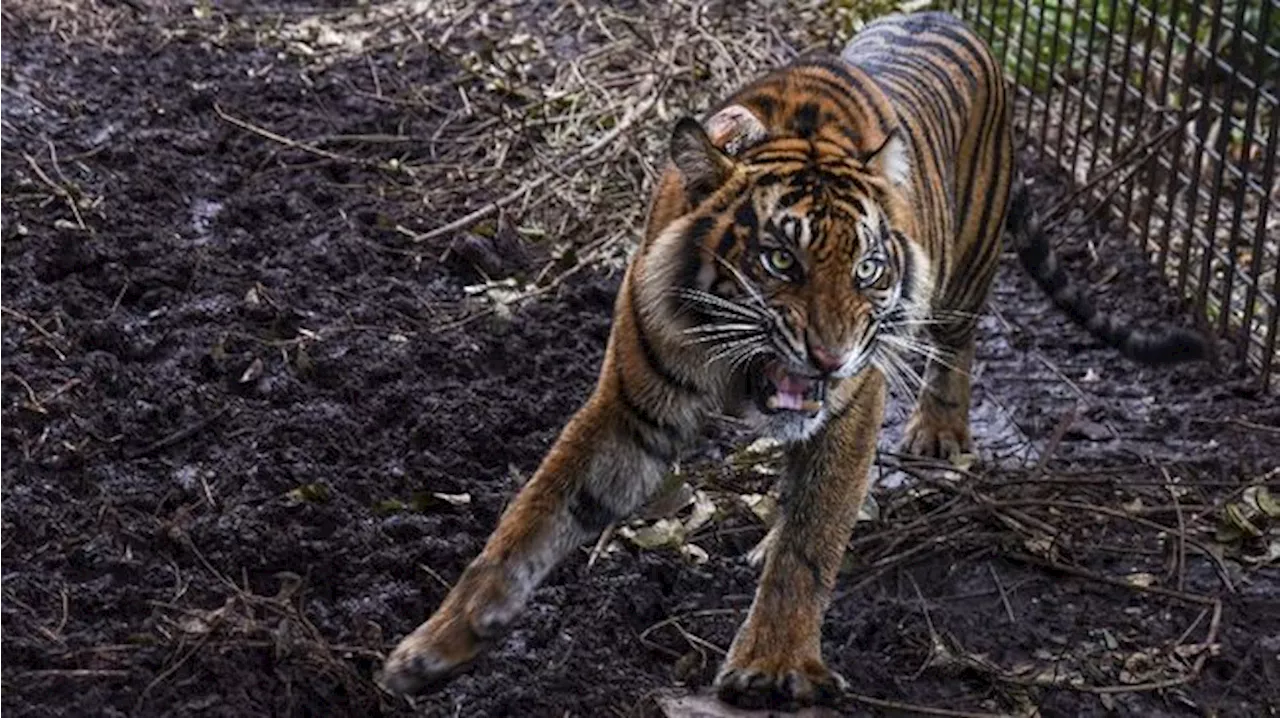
(310, 494)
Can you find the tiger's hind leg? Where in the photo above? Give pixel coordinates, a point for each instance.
(939, 426)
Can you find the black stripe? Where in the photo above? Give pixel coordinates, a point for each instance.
(745, 214)
(648, 424)
(905, 267)
(727, 240)
(840, 95)
(764, 105)
(974, 165)
(995, 184)
(767, 154)
(638, 412)
(590, 513)
(962, 36)
(804, 120)
(955, 97)
(927, 105)
(977, 48)
(858, 92)
(693, 250)
(922, 152)
(913, 43)
(946, 111)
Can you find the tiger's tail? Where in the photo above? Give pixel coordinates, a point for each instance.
(1162, 344)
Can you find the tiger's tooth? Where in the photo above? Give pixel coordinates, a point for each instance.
(811, 405)
(772, 402)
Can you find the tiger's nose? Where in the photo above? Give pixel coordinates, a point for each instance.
(824, 359)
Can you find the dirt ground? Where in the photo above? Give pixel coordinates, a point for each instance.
(254, 422)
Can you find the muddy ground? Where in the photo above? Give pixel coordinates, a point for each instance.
(247, 443)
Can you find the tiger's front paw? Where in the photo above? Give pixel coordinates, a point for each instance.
(475, 614)
(937, 435)
(784, 684)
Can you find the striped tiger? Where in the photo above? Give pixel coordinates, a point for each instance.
(826, 225)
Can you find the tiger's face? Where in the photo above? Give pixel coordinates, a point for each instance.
(805, 274)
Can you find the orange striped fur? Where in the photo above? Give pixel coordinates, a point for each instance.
(823, 227)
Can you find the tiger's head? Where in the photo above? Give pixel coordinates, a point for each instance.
(797, 264)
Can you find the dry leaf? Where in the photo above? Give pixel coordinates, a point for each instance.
(253, 371)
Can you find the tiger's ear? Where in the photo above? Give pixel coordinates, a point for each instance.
(890, 159)
(702, 165)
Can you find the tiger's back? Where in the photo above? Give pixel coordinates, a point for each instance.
(954, 107)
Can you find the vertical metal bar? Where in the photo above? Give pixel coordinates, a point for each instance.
(1098, 134)
(1035, 66)
(1269, 159)
(1184, 116)
(1195, 171)
(1215, 196)
(1148, 48)
(984, 18)
(991, 23)
(1022, 47)
(1269, 350)
(1068, 68)
(1260, 231)
(1123, 95)
(1053, 64)
(1084, 89)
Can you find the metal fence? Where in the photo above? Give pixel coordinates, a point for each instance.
(1165, 113)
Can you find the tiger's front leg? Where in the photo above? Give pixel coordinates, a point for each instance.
(604, 465)
(776, 658)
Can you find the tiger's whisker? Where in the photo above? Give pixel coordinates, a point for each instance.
(713, 328)
(743, 282)
(707, 300)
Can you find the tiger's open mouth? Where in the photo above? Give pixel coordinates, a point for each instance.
(779, 389)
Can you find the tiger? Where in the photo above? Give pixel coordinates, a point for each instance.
(826, 228)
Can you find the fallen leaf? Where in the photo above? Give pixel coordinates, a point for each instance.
(453, 499)
(663, 533)
(425, 501)
(253, 371)
(310, 494)
(694, 553)
(870, 510)
(964, 462)
(390, 506)
(675, 494)
(765, 507)
(1260, 500)
(704, 509)
(1237, 516)
(1271, 555)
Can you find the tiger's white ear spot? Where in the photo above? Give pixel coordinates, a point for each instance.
(894, 161)
(735, 128)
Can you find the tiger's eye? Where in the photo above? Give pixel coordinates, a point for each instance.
(868, 271)
(778, 262)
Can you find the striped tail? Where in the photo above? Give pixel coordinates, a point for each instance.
(1163, 344)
